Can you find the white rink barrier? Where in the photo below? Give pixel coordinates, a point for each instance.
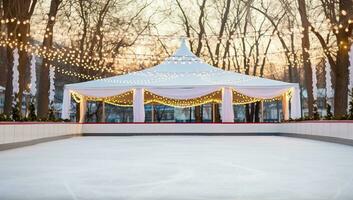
(337, 129)
(11, 133)
(177, 128)
(330, 131)
(31, 133)
(322, 130)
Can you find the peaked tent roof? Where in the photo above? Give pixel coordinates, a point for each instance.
(182, 69)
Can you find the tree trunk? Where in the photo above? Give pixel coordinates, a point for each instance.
(99, 111)
(306, 56)
(247, 113)
(251, 112)
(341, 72)
(198, 114)
(8, 85)
(257, 111)
(3, 66)
(23, 65)
(216, 112)
(9, 88)
(341, 77)
(3, 56)
(43, 88)
(22, 10)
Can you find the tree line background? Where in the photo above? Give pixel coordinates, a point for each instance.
(89, 39)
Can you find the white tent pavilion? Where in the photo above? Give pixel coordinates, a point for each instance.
(182, 80)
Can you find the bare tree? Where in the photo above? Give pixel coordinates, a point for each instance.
(226, 41)
(252, 47)
(17, 30)
(305, 54)
(3, 58)
(43, 86)
(339, 13)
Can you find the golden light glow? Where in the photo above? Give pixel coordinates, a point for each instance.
(126, 99)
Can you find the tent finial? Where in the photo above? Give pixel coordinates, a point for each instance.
(183, 49)
(183, 41)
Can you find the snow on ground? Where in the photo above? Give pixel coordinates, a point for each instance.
(178, 167)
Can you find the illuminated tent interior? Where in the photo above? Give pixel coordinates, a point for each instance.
(182, 80)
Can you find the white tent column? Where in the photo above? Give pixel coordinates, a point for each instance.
(83, 109)
(295, 111)
(285, 106)
(138, 105)
(65, 111)
(227, 105)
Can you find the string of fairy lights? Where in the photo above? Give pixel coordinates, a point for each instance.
(235, 35)
(71, 57)
(77, 57)
(126, 99)
(43, 52)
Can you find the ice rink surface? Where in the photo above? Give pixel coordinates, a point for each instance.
(178, 168)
